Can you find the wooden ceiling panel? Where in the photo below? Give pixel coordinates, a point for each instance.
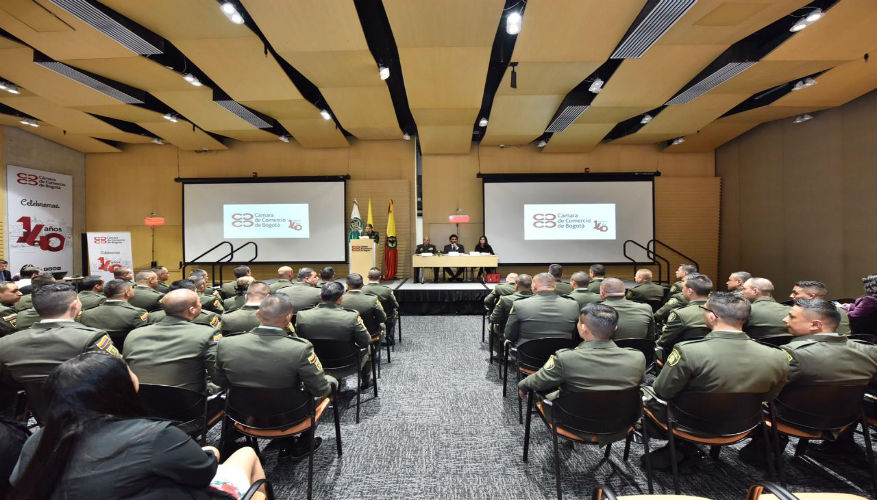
(535, 78)
(125, 137)
(449, 23)
(838, 85)
(770, 113)
(573, 30)
(253, 134)
(645, 138)
(710, 137)
(81, 143)
(766, 74)
(848, 30)
(68, 119)
(138, 72)
(436, 139)
(309, 25)
(353, 68)
(521, 115)
(507, 140)
(197, 105)
(654, 78)
(444, 117)
(315, 132)
(183, 135)
(298, 109)
(125, 112)
(725, 22)
(684, 119)
(578, 138)
(176, 20)
(365, 112)
(448, 77)
(6, 43)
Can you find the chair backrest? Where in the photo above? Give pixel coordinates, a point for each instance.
(820, 406)
(597, 412)
(336, 355)
(775, 340)
(864, 337)
(36, 399)
(268, 408)
(645, 346)
(534, 353)
(718, 413)
(172, 403)
(655, 304)
(864, 324)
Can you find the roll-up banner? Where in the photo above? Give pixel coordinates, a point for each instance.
(108, 252)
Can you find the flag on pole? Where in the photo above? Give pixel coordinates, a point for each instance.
(390, 255)
(369, 219)
(355, 223)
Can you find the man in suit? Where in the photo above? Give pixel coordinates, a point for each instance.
(579, 282)
(809, 290)
(5, 273)
(597, 273)
(545, 314)
(454, 246)
(304, 292)
(644, 290)
(560, 288)
(426, 247)
(635, 320)
(766, 318)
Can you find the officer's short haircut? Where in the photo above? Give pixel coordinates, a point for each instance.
(176, 302)
(327, 273)
(41, 280)
(331, 291)
(543, 280)
(241, 284)
(870, 284)
(29, 271)
(701, 284)
(741, 275)
(645, 274)
(197, 272)
(729, 307)
(241, 271)
(688, 268)
(580, 278)
(524, 281)
(598, 269)
(184, 284)
(817, 288)
(374, 274)
(144, 275)
(600, 319)
(354, 281)
(197, 280)
(120, 272)
(158, 269)
(283, 271)
(5, 285)
(54, 299)
(258, 289)
(275, 307)
(304, 273)
(511, 277)
(116, 288)
(89, 282)
(612, 287)
(825, 310)
(556, 270)
(763, 285)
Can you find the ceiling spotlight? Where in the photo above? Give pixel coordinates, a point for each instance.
(542, 143)
(9, 87)
(677, 141)
(384, 72)
(799, 26)
(815, 15)
(513, 23)
(802, 118)
(646, 118)
(157, 140)
(809, 82)
(482, 122)
(237, 18)
(189, 77)
(231, 13)
(596, 86)
(170, 117)
(284, 138)
(406, 136)
(228, 8)
(29, 122)
(325, 114)
(798, 85)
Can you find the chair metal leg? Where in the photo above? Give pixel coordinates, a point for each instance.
(673, 451)
(483, 326)
(505, 374)
(490, 346)
(608, 451)
(337, 422)
(358, 392)
(518, 394)
(869, 453)
(388, 354)
(627, 445)
(801, 448)
(778, 451)
(376, 357)
(375, 379)
(768, 454)
(399, 330)
(311, 462)
(714, 452)
(527, 427)
(647, 455)
(556, 461)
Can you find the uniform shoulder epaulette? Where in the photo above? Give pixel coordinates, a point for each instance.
(692, 341)
(800, 344)
(300, 339)
(349, 310)
(567, 297)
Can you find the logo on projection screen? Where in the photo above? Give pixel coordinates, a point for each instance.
(586, 221)
(266, 221)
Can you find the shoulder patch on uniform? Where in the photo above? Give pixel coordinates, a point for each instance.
(312, 358)
(104, 342)
(215, 321)
(674, 357)
(549, 365)
(217, 304)
(672, 317)
(10, 317)
(359, 320)
(788, 353)
(217, 337)
(144, 316)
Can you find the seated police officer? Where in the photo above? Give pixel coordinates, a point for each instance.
(239, 298)
(426, 247)
(387, 297)
(304, 292)
(578, 283)
(162, 274)
(808, 290)
(560, 287)
(245, 319)
(687, 323)
(91, 290)
(635, 319)
(116, 316)
(545, 314)
(501, 289)
(145, 294)
(9, 296)
(368, 306)
(284, 278)
(28, 316)
(327, 274)
(229, 289)
(208, 318)
(766, 318)
(597, 273)
(645, 290)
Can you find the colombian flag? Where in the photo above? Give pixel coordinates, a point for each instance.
(390, 256)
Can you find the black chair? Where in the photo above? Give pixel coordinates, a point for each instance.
(645, 346)
(775, 340)
(277, 413)
(187, 407)
(269, 491)
(813, 412)
(780, 493)
(342, 358)
(588, 417)
(864, 337)
(711, 418)
(529, 357)
(655, 304)
(864, 324)
(36, 400)
(485, 312)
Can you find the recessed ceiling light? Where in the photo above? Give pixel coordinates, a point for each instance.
(157, 140)
(228, 8)
(406, 137)
(646, 118)
(482, 122)
(189, 77)
(513, 23)
(325, 114)
(596, 86)
(232, 13)
(542, 143)
(815, 15)
(12, 89)
(384, 72)
(170, 117)
(31, 123)
(284, 138)
(798, 26)
(802, 118)
(677, 141)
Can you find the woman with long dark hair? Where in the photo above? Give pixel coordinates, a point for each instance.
(484, 247)
(97, 443)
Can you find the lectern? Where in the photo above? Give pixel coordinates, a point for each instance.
(362, 256)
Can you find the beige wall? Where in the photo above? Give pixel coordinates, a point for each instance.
(125, 187)
(450, 182)
(24, 149)
(799, 201)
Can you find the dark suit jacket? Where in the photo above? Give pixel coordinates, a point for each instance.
(5, 275)
(449, 249)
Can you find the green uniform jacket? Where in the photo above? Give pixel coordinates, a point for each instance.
(146, 298)
(723, 361)
(27, 319)
(645, 292)
(583, 297)
(675, 302)
(267, 358)
(766, 318)
(8, 320)
(173, 352)
(830, 358)
(369, 308)
(303, 295)
(686, 323)
(207, 318)
(90, 299)
(25, 302)
(500, 314)
(331, 322)
(676, 288)
(497, 292)
(545, 314)
(117, 318)
(597, 365)
(163, 287)
(211, 302)
(635, 320)
(385, 294)
(229, 289)
(594, 285)
(234, 303)
(426, 249)
(844, 327)
(29, 355)
(277, 285)
(240, 321)
(562, 287)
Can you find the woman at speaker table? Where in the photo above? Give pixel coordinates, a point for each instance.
(484, 247)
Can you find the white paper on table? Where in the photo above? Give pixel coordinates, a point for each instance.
(453, 254)
(426, 254)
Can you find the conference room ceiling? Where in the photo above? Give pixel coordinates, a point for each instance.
(308, 71)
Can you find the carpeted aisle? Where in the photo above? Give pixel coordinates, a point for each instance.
(441, 429)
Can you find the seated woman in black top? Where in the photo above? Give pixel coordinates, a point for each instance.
(96, 443)
(484, 247)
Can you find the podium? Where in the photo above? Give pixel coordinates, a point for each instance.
(362, 256)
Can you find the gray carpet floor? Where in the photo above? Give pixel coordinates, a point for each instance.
(440, 428)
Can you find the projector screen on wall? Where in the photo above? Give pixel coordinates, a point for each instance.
(295, 221)
(568, 219)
